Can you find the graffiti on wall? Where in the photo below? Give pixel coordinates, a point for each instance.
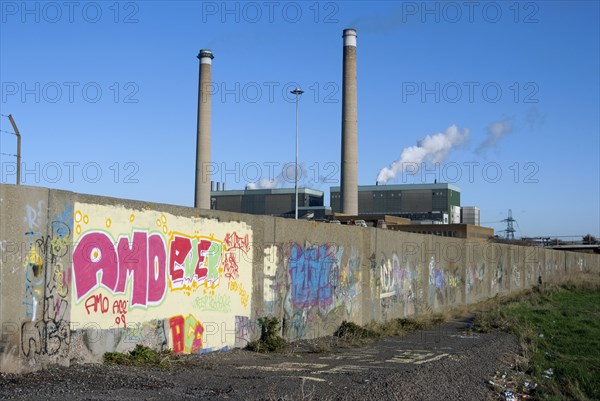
(397, 285)
(33, 263)
(444, 284)
(321, 282)
(142, 265)
(516, 276)
(497, 283)
(186, 334)
(475, 276)
(194, 262)
(313, 275)
(140, 260)
(271, 284)
(46, 284)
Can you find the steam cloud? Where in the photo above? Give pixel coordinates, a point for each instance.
(286, 175)
(431, 148)
(495, 132)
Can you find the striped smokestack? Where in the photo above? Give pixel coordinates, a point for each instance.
(349, 179)
(203, 169)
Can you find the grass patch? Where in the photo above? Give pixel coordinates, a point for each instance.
(270, 340)
(558, 329)
(140, 356)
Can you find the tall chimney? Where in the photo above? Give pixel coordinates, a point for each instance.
(349, 179)
(202, 193)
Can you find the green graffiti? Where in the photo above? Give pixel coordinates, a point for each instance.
(214, 260)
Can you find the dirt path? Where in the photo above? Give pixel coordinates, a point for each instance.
(439, 364)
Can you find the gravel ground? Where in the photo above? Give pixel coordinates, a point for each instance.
(443, 363)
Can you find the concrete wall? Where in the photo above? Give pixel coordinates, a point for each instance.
(82, 275)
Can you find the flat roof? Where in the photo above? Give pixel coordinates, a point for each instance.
(273, 191)
(402, 187)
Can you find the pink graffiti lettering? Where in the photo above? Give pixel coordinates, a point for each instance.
(141, 262)
(157, 269)
(133, 263)
(94, 253)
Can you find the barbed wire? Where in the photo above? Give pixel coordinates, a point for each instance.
(8, 132)
(7, 154)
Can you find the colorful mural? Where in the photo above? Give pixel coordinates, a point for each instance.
(133, 266)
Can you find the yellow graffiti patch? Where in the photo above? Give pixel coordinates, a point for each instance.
(33, 258)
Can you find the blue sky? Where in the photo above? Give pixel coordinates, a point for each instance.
(105, 96)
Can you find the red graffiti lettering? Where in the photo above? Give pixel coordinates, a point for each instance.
(121, 319)
(234, 241)
(186, 334)
(201, 271)
(180, 247)
(119, 307)
(177, 333)
(96, 302)
(230, 267)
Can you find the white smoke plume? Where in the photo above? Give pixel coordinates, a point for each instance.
(285, 176)
(431, 148)
(495, 132)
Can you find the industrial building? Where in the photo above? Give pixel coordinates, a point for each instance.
(380, 205)
(434, 203)
(470, 215)
(272, 202)
(466, 231)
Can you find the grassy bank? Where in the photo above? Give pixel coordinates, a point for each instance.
(559, 333)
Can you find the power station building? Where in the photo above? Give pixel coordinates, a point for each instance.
(419, 208)
(431, 203)
(470, 215)
(272, 202)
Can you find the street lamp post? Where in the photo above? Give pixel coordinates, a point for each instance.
(296, 92)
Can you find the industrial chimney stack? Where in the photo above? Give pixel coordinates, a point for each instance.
(202, 192)
(349, 179)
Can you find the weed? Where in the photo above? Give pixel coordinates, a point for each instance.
(351, 331)
(269, 340)
(140, 355)
(319, 346)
